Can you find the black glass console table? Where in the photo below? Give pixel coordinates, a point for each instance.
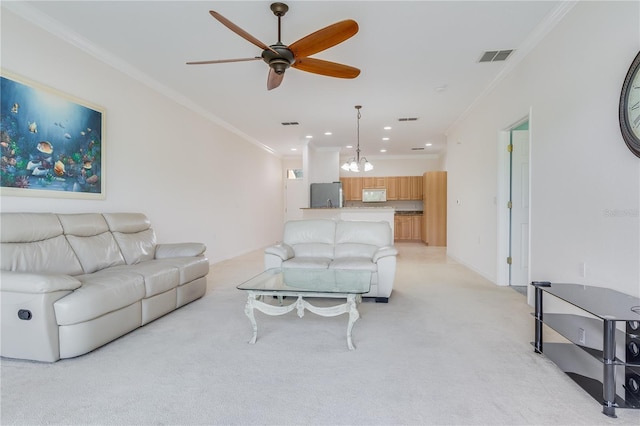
(599, 340)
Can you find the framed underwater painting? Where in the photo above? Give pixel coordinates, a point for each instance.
(52, 144)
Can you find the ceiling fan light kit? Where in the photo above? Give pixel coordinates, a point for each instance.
(279, 56)
(354, 164)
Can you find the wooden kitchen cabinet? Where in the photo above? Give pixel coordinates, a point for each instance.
(374, 182)
(398, 187)
(351, 188)
(402, 225)
(416, 187)
(416, 227)
(346, 188)
(408, 227)
(391, 184)
(355, 189)
(435, 208)
(404, 187)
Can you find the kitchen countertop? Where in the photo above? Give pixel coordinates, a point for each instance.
(347, 208)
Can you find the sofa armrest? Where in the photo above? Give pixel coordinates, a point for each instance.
(26, 282)
(384, 252)
(164, 251)
(282, 250)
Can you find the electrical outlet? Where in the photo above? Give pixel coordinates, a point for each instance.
(582, 336)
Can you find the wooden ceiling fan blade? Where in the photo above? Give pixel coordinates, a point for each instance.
(274, 79)
(242, 33)
(324, 38)
(223, 61)
(330, 69)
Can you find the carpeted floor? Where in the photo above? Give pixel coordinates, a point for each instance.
(448, 348)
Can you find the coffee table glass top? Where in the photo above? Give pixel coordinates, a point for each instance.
(310, 280)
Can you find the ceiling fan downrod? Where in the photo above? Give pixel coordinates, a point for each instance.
(279, 9)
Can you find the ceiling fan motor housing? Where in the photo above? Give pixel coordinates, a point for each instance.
(279, 61)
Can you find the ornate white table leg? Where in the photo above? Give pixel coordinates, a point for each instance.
(300, 305)
(353, 317)
(248, 310)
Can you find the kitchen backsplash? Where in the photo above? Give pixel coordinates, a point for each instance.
(413, 205)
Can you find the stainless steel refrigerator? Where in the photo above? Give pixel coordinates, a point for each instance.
(326, 195)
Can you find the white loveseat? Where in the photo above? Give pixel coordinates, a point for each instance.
(324, 243)
(73, 282)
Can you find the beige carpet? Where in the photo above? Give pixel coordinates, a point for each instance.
(449, 348)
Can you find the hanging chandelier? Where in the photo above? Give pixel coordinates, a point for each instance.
(355, 164)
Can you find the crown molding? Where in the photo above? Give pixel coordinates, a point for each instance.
(56, 28)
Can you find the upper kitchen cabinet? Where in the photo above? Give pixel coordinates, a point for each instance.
(435, 209)
(352, 188)
(416, 187)
(404, 188)
(373, 182)
(391, 184)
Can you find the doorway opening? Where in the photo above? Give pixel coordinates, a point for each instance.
(513, 206)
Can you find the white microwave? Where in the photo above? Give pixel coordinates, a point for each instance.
(374, 195)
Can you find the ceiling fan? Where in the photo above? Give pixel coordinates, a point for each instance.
(279, 56)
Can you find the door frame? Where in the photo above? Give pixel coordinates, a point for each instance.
(503, 191)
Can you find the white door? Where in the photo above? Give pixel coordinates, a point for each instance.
(295, 195)
(519, 232)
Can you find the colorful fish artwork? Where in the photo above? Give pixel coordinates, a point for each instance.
(45, 147)
(32, 126)
(15, 107)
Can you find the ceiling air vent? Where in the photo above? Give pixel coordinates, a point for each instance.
(417, 149)
(290, 123)
(495, 55)
(408, 119)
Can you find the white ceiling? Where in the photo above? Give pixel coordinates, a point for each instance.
(418, 59)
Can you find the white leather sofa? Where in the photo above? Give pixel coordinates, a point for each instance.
(73, 282)
(324, 243)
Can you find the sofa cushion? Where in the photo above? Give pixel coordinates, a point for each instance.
(190, 268)
(358, 263)
(29, 227)
(101, 293)
(374, 233)
(53, 255)
(158, 277)
(361, 239)
(83, 224)
(307, 263)
(34, 242)
(96, 252)
(310, 238)
(133, 233)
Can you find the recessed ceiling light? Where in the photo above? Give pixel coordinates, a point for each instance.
(428, 144)
(383, 150)
(309, 137)
(385, 139)
(387, 127)
(328, 133)
(349, 146)
(294, 149)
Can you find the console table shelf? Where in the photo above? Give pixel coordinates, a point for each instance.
(595, 351)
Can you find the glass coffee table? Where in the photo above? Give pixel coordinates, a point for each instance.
(306, 283)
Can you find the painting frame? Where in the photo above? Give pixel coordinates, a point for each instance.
(52, 143)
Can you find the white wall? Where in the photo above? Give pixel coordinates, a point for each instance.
(585, 183)
(162, 159)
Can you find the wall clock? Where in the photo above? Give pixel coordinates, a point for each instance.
(629, 111)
